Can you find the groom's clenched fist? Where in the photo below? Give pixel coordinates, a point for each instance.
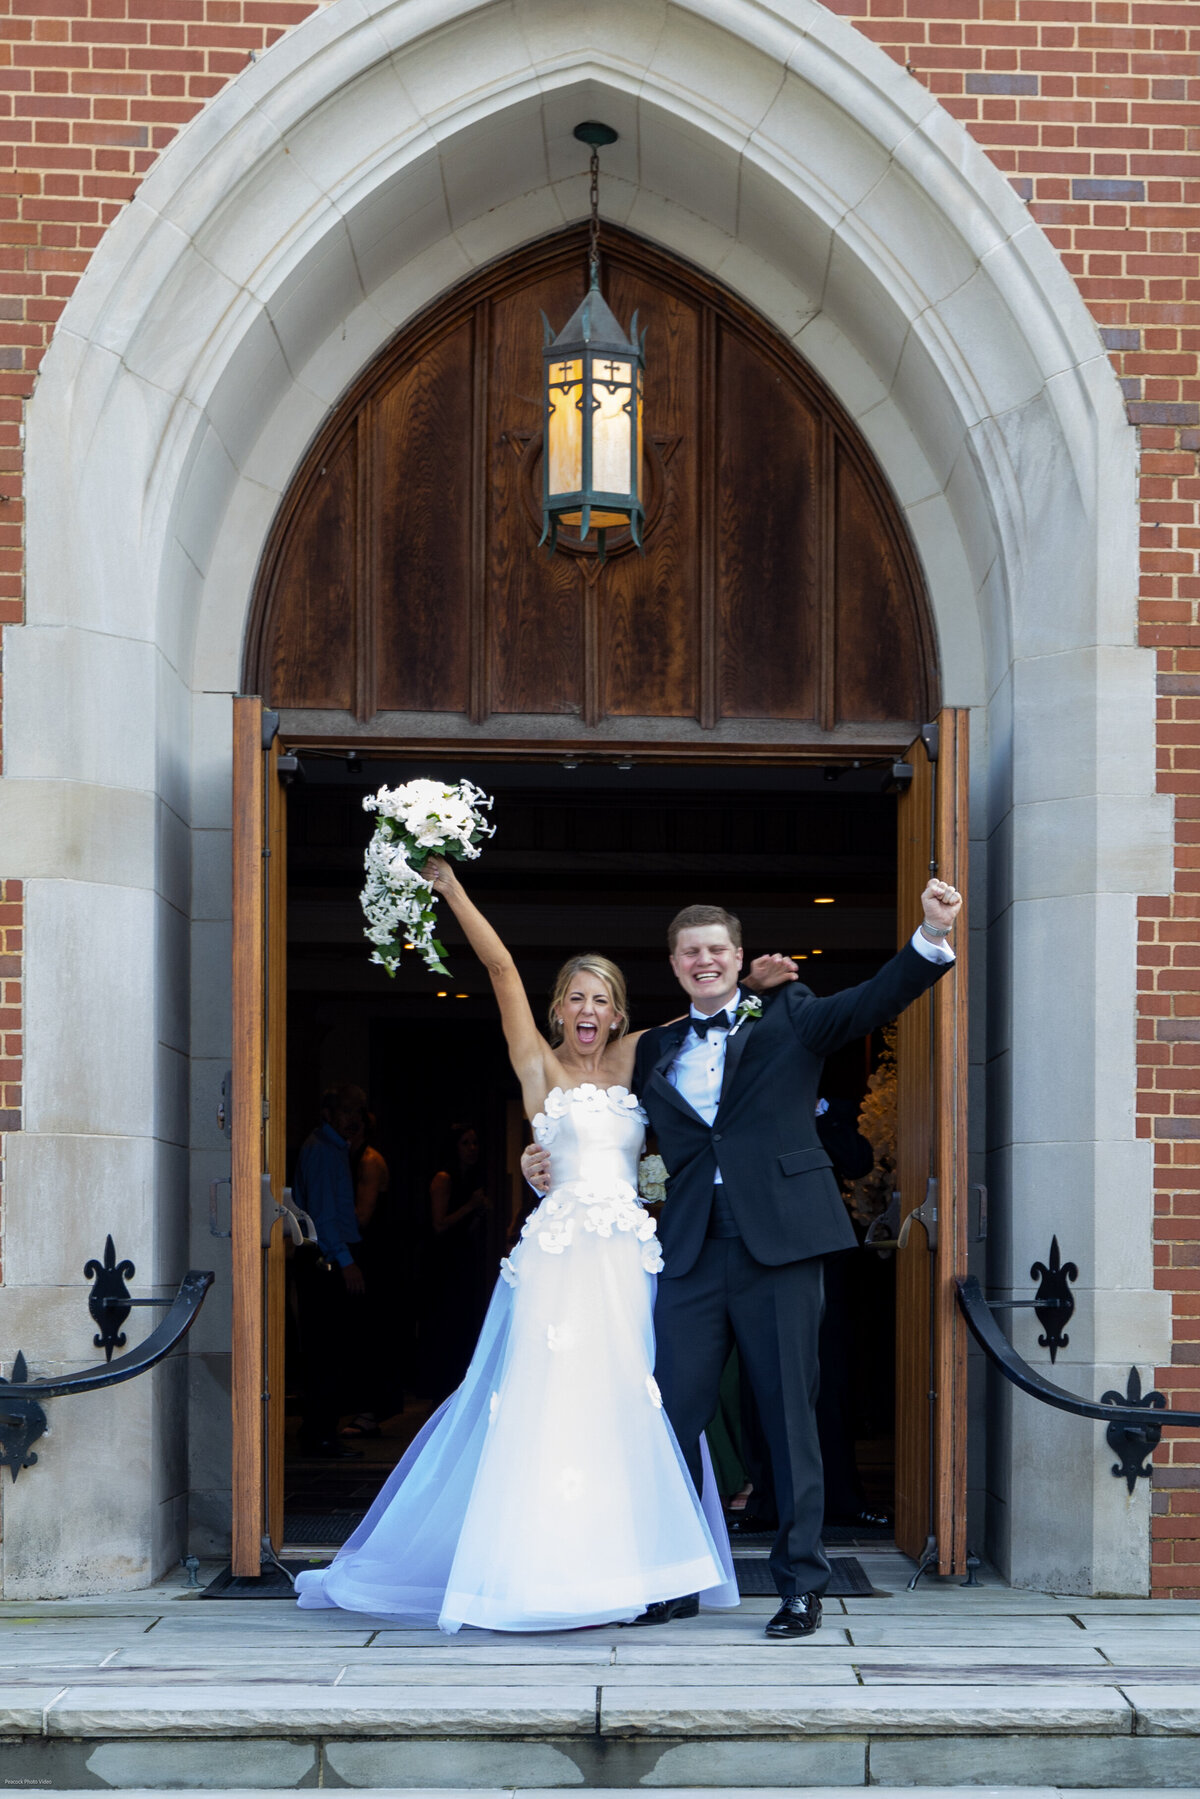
(941, 904)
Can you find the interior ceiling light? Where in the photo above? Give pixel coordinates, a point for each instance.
(825, 899)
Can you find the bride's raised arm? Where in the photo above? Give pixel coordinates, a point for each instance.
(528, 1050)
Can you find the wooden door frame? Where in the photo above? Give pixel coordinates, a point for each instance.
(259, 967)
(931, 1354)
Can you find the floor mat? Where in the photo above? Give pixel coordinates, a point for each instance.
(848, 1579)
(330, 1529)
(272, 1583)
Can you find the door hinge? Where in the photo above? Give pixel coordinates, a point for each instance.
(270, 728)
(931, 738)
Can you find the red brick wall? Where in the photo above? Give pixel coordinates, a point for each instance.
(90, 92)
(1092, 109)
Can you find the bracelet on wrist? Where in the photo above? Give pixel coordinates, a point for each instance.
(935, 931)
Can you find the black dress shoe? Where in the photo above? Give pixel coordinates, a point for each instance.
(330, 1450)
(752, 1524)
(798, 1616)
(663, 1611)
(860, 1520)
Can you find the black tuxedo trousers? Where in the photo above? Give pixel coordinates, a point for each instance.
(763, 1288)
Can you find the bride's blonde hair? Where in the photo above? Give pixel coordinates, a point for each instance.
(606, 971)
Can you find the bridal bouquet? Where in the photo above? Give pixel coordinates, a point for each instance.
(420, 819)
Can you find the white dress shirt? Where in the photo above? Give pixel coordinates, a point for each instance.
(699, 1065)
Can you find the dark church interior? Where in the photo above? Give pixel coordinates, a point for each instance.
(588, 854)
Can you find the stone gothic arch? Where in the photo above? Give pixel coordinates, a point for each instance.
(370, 160)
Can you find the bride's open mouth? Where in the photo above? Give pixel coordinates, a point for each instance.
(586, 1032)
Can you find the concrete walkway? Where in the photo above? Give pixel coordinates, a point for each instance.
(942, 1687)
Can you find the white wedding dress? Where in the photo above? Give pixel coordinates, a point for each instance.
(549, 1492)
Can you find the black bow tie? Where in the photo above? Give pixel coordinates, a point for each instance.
(718, 1022)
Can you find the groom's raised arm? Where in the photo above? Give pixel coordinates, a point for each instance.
(824, 1025)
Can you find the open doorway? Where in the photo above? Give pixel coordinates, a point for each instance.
(587, 856)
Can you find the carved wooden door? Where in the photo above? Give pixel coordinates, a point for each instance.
(258, 1131)
(778, 602)
(931, 1355)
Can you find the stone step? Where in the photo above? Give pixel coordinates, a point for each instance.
(598, 1733)
(823, 1792)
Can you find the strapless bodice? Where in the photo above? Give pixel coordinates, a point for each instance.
(595, 1136)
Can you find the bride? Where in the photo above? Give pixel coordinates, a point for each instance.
(549, 1492)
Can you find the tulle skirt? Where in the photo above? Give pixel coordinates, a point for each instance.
(548, 1492)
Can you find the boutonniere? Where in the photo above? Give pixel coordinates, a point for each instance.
(750, 1007)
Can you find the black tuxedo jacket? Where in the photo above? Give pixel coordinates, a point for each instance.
(778, 1179)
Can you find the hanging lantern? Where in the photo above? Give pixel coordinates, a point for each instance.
(592, 416)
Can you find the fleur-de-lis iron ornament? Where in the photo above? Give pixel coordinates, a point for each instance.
(1134, 1443)
(1054, 1302)
(22, 1422)
(108, 1280)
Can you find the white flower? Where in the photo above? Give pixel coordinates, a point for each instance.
(570, 1484)
(652, 1178)
(652, 1260)
(652, 1389)
(493, 1405)
(397, 900)
(552, 1337)
(508, 1271)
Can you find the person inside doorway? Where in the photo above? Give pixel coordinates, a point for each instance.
(328, 1278)
(459, 1206)
(374, 1357)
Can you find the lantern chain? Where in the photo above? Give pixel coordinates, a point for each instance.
(594, 226)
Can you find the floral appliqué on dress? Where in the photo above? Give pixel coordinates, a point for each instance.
(586, 1205)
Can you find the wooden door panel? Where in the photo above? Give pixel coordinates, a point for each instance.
(315, 590)
(877, 635)
(769, 540)
(421, 545)
(952, 1067)
(403, 571)
(931, 1053)
(649, 605)
(258, 1123)
(535, 611)
(249, 1057)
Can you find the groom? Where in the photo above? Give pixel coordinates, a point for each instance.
(752, 1207)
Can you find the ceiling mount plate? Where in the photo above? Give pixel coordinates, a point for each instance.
(597, 135)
